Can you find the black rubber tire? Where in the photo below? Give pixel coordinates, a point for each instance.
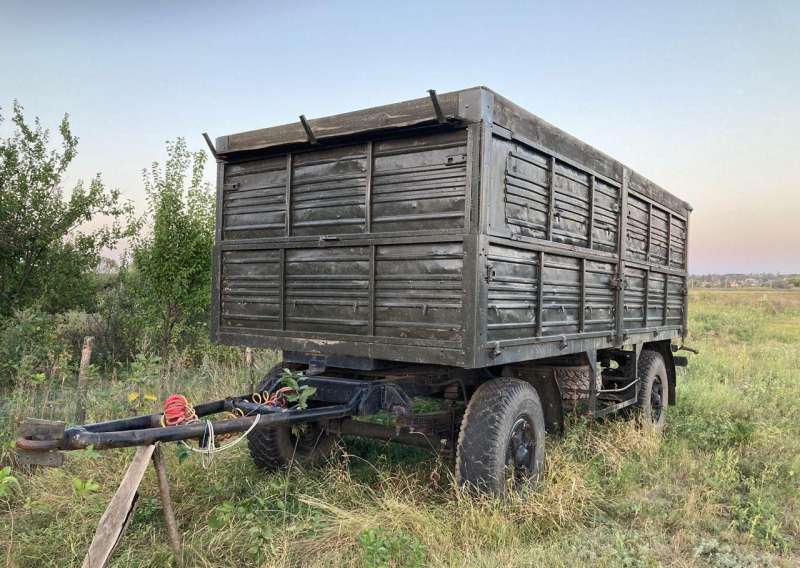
(277, 447)
(484, 439)
(653, 390)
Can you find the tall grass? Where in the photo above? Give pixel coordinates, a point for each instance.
(720, 488)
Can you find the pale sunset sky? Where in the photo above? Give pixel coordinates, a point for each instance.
(701, 97)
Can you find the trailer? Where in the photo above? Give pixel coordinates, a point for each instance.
(453, 247)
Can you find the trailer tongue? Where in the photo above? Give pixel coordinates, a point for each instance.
(352, 398)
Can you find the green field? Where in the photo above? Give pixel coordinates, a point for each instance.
(721, 488)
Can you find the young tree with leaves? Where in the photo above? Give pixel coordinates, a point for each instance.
(46, 251)
(174, 257)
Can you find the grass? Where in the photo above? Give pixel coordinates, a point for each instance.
(721, 488)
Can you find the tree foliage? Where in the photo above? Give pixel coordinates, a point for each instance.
(174, 257)
(46, 251)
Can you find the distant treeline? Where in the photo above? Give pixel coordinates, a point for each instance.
(783, 281)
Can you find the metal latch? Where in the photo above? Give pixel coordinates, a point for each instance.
(490, 272)
(456, 159)
(619, 283)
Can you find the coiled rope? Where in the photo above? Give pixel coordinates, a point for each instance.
(178, 410)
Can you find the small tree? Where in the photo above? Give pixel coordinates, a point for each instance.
(46, 252)
(174, 258)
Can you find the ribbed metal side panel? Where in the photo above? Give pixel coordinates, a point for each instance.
(654, 234)
(659, 235)
(677, 256)
(676, 294)
(527, 195)
(250, 294)
(327, 290)
(571, 205)
(655, 299)
(254, 199)
(606, 216)
(633, 308)
(419, 291)
(536, 183)
(513, 276)
(561, 295)
(419, 183)
(328, 191)
(513, 288)
(637, 229)
(639, 280)
(599, 301)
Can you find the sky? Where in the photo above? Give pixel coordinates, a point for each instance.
(701, 97)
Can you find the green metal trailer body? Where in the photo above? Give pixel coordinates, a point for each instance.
(456, 230)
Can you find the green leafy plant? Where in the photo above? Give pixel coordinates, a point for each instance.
(83, 488)
(301, 392)
(87, 453)
(182, 453)
(7, 481)
(382, 549)
(250, 514)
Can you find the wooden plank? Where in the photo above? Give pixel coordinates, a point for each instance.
(40, 429)
(398, 115)
(114, 520)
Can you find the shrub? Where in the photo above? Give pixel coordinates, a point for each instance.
(28, 347)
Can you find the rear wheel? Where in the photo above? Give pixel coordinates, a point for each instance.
(502, 439)
(278, 447)
(653, 390)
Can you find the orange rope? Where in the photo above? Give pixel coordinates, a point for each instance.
(177, 411)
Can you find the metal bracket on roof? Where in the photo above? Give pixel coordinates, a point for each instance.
(211, 146)
(307, 127)
(437, 108)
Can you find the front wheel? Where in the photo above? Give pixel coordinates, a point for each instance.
(502, 439)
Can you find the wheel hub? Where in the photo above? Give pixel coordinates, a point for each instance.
(656, 399)
(521, 451)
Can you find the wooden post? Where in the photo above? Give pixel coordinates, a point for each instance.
(248, 362)
(166, 503)
(83, 372)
